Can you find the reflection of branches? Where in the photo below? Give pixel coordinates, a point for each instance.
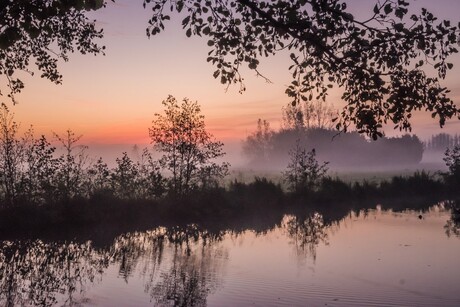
(45, 274)
(452, 226)
(35, 273)
(307, 233)
(191, 276)
(183, 277)
(195, 267)
(129, 248)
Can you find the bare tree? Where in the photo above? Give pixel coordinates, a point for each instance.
(309, 114)
(257, 145)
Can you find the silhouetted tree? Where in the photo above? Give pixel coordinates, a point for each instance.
(152, 183)
(44, 31)
(452, 159)
(39, 182)
(98, 177)
(188, 149)
(378, 61)
(72, 170)
(125, 178)
(304, 172)
(11, 155)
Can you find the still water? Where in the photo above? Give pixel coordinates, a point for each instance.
(367, 258)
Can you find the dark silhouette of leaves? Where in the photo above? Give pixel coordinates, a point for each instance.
(381, 63)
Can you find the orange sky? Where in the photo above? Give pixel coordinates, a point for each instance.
(111, 99)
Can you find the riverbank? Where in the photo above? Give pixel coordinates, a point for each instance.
(252, 201)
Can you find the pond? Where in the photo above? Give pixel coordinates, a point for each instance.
(369, 258)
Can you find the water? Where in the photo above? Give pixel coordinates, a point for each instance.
(369, 258)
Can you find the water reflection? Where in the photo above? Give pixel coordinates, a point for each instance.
(452, 226)
(34, 273)
(46, 274)
(190, 278)
(306, 233)
(177, 266)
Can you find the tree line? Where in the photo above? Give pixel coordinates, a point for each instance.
(311, 125)
(442, 141)
(32, 171)
(35, 172)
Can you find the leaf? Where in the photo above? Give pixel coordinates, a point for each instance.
(185, 21)
(388, 9)
(376, 9)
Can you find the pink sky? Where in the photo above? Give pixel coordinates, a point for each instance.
(112, 99)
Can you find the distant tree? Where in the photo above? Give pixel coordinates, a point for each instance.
(306, 115)
(304, 172)
(442, 141)
(406, 149)
(188, 149)
(380, 62)
(257, 145)
(44, 31)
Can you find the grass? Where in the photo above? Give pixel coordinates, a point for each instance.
(241, 199)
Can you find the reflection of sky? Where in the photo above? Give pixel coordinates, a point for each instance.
(383, 259)
(112, 98)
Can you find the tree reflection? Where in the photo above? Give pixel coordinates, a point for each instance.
(35, 273)
(45, 274)
(306, 233)
(452, 226)
(178, 265)
(195, 269)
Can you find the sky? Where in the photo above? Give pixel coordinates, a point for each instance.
(112, 99)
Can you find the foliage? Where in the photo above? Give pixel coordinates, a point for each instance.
(72, 171)
(381, 63)
(189, 151)
(304, 172)
(452, 159)
(44, 31)
(125, 177)
(39, 182)
(98, 177)
(420, 184)
(11, 155)
(152, 183)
